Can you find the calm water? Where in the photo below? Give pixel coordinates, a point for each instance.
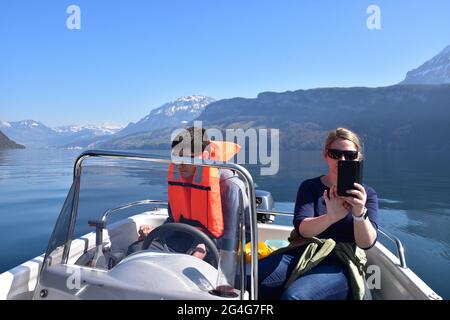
(414, 192)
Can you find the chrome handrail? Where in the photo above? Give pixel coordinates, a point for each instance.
(177, 160)
(129, 205)
(398, 244)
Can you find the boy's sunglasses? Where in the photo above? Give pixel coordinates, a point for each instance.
(337, 154)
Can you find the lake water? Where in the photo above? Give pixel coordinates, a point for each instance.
(414, 192)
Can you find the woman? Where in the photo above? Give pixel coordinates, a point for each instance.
(320, 212)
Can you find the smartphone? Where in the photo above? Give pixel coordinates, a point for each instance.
(349, 172)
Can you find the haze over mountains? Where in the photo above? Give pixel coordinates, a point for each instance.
(416, 111)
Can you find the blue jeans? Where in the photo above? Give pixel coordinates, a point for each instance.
(326, 281)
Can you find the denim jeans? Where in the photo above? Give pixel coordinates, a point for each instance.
(326, 281)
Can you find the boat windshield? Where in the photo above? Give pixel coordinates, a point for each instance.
(115, 205)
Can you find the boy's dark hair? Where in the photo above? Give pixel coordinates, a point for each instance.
(196, 136)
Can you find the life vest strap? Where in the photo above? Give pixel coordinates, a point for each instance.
(190, 185)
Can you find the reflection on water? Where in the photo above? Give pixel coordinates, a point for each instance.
(413, 189)
(388, 201)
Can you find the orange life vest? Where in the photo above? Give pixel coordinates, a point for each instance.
(197, 201)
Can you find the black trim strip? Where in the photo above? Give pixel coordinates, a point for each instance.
(190, 185)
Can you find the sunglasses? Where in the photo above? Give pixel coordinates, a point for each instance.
(337, 154)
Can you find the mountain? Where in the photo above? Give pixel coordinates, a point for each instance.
(400, 117)
(35, 134)
(394, 117)
(170, 115)
(83, 135)
(154, 139)
(6, 143)
(103, 129)
(434, 71)
(28, 132)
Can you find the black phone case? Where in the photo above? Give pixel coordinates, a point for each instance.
(349, 172)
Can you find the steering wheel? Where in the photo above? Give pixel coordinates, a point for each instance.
(160, 233)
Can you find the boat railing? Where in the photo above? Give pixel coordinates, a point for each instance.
(108, 212)
(398, 244)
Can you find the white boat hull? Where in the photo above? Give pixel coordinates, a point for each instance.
(395, 282)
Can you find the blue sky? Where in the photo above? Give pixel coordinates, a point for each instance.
(132, 56)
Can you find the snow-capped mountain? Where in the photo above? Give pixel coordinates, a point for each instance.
(84, 135)
(28, 132)
(101, 130)
(24, 125)
(434, 71)
(35, 134)
(171, 114)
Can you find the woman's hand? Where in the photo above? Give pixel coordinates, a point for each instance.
(359, 201)
(337, 207)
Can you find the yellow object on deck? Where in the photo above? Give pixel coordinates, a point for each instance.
(263, 251)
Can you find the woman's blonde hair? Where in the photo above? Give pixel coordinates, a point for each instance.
(344, 134)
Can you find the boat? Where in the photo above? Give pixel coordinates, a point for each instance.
(99, 265)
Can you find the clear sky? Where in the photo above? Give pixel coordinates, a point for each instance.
(132, 56)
